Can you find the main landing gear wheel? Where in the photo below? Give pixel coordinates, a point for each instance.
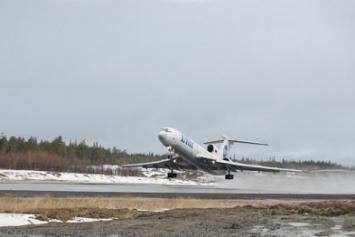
(229, 176)
(172, 175)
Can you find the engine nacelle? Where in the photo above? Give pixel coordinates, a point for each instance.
(212, 149)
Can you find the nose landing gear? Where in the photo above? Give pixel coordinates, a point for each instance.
(171, 154)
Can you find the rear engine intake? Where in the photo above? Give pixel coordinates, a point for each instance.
(211, 148)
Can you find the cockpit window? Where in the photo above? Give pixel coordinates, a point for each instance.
(167, 129)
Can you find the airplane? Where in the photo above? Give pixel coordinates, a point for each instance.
(184, 153)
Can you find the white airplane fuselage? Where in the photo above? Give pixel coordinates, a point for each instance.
(185, 153)
(188, 149)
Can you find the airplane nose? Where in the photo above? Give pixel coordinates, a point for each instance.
(162, 135)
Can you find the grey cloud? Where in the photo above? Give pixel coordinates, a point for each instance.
(117, 71)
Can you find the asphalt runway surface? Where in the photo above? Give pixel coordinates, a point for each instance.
(315, 186)
(27, 189)
(240, 196)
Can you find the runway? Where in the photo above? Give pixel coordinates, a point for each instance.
(321, 186)
(227, 196)
(157, 191)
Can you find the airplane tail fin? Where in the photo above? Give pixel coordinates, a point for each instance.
(227, 143)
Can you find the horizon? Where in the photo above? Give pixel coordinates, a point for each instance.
(121, 149)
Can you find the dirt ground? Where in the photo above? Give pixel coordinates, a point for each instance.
(332, 219)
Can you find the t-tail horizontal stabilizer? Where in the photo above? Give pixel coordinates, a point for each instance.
(235, 141)
(227, 143)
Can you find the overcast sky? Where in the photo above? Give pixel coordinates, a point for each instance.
(116, 72)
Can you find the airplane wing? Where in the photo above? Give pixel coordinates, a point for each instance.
(174, 163)
(235, 166)
(154, 164)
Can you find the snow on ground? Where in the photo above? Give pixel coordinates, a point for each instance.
(84, 219)
(14, 219)
(150, 177)
(11, 219)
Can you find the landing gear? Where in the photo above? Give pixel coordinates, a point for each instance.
(229, 176)
(172, 175)
(171, 152)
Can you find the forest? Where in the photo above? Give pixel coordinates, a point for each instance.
(56, 155)
(76, 156)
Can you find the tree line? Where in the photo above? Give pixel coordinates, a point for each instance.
(56, 155)
(78, 156)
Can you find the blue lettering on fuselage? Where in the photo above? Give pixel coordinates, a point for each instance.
(187, 141)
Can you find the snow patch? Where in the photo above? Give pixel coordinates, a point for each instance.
(150, 177)
(298, 224)
(12, 219)
(83, 219)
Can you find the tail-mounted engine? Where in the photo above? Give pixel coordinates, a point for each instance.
(212, 149)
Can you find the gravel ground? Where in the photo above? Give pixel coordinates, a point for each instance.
(239, 221)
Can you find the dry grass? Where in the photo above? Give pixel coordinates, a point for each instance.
(23, 205)
(65, 208)
(324, 208)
